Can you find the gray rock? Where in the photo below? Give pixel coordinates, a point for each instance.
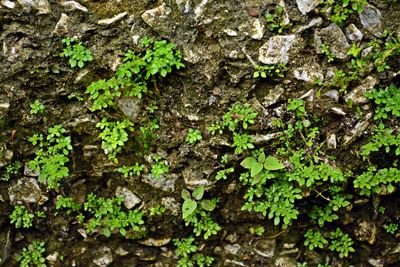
(353, 33)
(159, 18)
(285, 262)
(165, 182)
(230, 32)
(273, 96)
(370, 18)
(333, 94)
(130, 106)
(338, 111)
(6, 156)
(357, 95)
(366, 231)
(264, 138)
(195, 175)
(232, 249)
(112, 20)
(358, 130)
(72, 5)
(200, 9)
(5, 245)
(313, 23)
(105, 258)
(52, 258)
(171, 204)
(151, 242)
(130, 199)
(265, 247)
(334, 37)
(8, 4)
(309, 73)
(42, 6)
(306, 6)
(63, 24)
(253, 27)
(276, 50)
(331, 142)
(4, 107)
(26, 190)
(376, 262)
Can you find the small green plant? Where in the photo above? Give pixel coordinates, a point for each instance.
(382, 138)
(157, 210)
(383, 51)
(325, 50)
(382, 210)
(223, 174)
(373, 180)
(257, 230)
(184, 250)
(33, 255)
(270, 71)
(275, 20)
(391, 228)
(193, 136)
(114, 135)
(238, 114)
(195, 212)
(341, 243)
(342, 9)
(36, 107)
(67, 203)
(132, 76)
(314, 239)
(133, 170)
(52, 156)
(76, 53)
(10, 170)
(242, 142)
(322, 215)
(387, 101)
(21, 217)
(158, 167)
(107, 216)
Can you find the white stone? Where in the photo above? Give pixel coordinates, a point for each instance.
(8, 4)
(130, 199)
(72, 5)
(276, 50)
(113, 19)
(306, 6)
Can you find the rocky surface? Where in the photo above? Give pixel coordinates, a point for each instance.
(221, 43)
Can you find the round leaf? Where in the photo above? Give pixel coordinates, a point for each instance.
(208, 204)
(185, 194)
(272, 164)
(198, 193)
(188, 207)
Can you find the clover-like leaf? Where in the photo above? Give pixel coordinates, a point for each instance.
(273, 164)
(198, 193)
(208, 204)
(188, 207)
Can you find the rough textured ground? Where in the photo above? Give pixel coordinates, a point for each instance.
(221, 41)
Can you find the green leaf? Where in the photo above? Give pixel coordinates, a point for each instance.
(185, 194)
(107, 232)
(208, 204)
(188, 207)
(261, 157)
(248, 162)
(272, 164)
(198, 193)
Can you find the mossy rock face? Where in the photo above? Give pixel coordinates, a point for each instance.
(222, 44)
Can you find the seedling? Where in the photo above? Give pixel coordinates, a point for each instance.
(36, 107)
(76, 53)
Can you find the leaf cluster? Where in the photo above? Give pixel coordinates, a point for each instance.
(52, 156)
